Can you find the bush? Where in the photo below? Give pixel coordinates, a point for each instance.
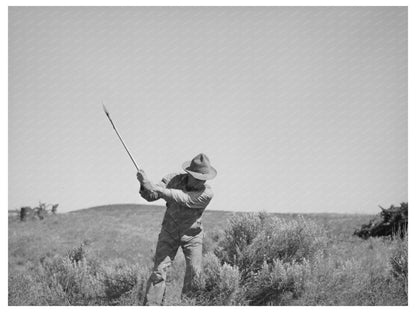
(398, 261)
(217, 285)
(240, 232)
(78, 253)
(272, 255)
(252, 239)
(77, 283)
(257, 260)
(288, 241)
(124, 283)
(24, 290)
(210, 241)
(360, 275)
(277, 283)
(76, 279)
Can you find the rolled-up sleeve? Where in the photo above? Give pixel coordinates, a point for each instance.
(194, 199)
(149, 196)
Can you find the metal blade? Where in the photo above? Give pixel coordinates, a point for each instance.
(105, 109)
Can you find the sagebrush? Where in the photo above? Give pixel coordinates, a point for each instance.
(253, 259)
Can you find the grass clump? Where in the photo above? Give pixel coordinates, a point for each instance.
(75, 279)
(360, 277)
(277, 283)
(124, 284)
(218, 284)
(399, 261)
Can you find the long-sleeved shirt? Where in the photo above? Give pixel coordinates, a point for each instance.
(184, 207)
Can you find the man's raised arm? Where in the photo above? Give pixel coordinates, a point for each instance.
(192, 199)
(147, 188)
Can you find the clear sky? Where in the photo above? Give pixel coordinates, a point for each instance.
(299, 109)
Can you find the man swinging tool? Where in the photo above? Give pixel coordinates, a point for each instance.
(186, 195)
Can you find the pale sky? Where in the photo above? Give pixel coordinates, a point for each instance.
(299, 109)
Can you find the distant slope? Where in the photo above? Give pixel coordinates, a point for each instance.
(124, 231)
(211, 218)
(112, 207)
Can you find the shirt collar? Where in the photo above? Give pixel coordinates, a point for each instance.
(189, 189)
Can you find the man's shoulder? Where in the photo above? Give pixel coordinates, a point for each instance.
(173, 177)
(175, 174)
(208, 191)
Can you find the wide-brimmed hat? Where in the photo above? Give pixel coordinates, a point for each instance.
(200, 168)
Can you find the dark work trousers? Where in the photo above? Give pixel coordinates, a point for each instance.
(167, 247)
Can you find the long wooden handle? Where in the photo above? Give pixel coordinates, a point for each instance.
(119, 136)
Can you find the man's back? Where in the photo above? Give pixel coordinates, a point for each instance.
(185, 208)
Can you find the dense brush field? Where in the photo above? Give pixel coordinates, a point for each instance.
(103, 256)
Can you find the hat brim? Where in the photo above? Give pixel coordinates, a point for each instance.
(200, 176)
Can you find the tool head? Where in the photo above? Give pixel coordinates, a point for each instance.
(106, 111)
